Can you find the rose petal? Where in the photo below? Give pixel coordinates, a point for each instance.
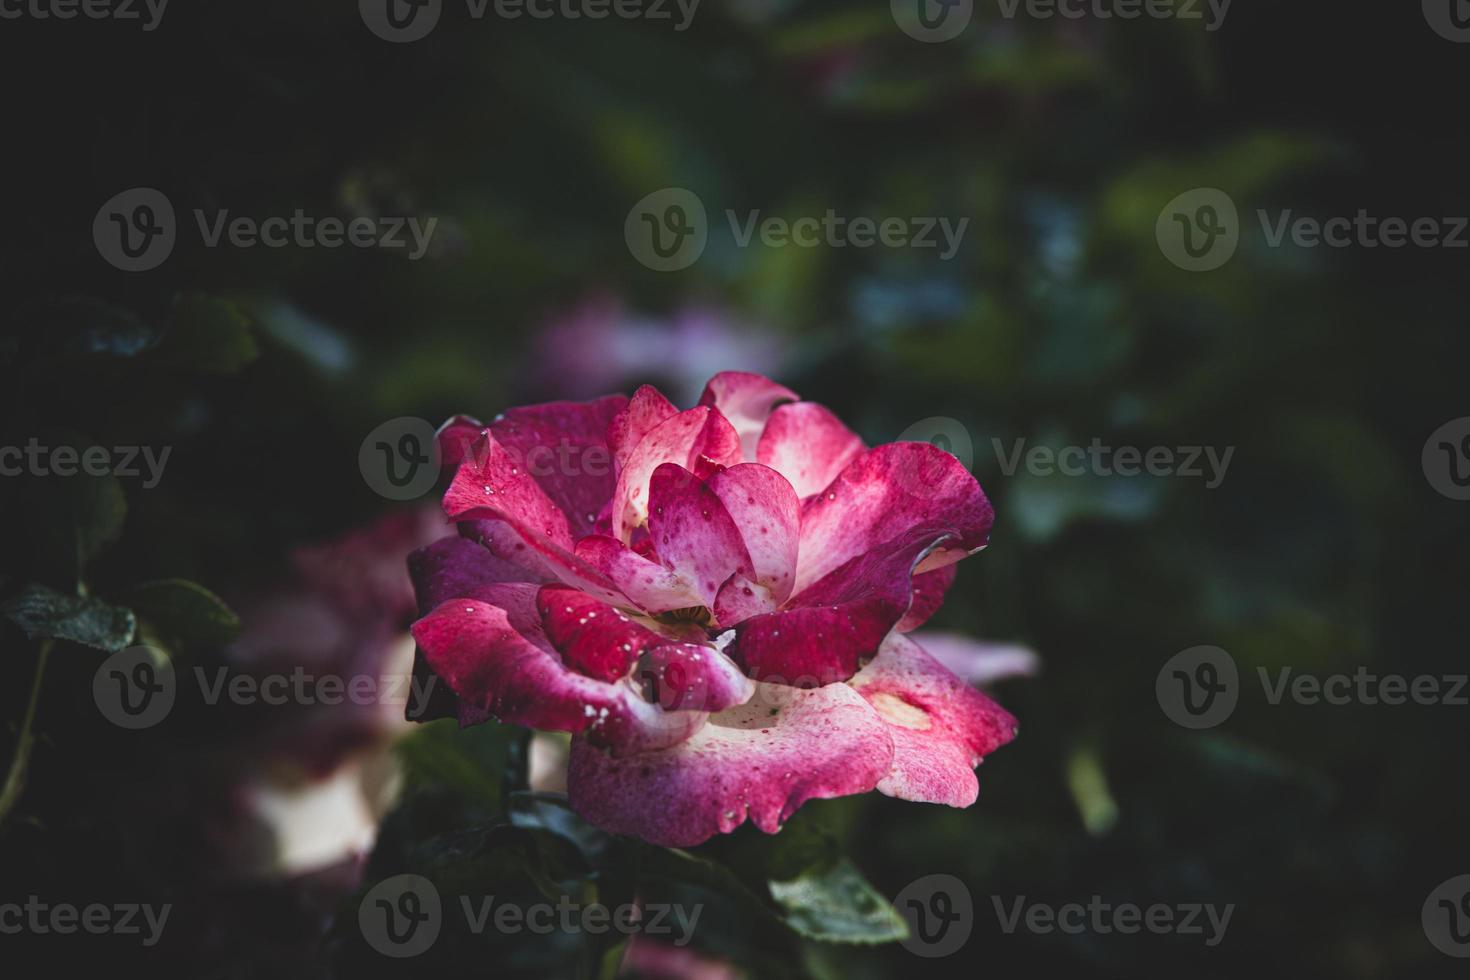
(829, 631)
(899, 491)
(928, 595)
(975, 661)
(592, 636)
(647, 584)
(456, 566)
(456, 436)
(941, 727)
(695, 537)
(563, 445)
(808, 445)
(766, 510)
(491, 651)
(700, 440)
(692, 677)
(747, 400)
(642, 415)
(759, 761)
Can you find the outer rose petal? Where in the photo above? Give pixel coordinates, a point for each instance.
(760, 761)
(695, 537)
(506, 508)
(929, 590)
(941, 727)
(976, 662)
(642, 415)
(456, 436)
(563, 445)
(747, 400)
(808, 445)
(490, 650)
(455, 566)
(700, 440)
(899, 491)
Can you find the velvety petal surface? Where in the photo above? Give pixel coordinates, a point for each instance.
(700, 440)
(491, 650)
(747, 400)
(695, 536)
(808, 445)
(941, 726)
(899, 492)
(563, 445)
(758, 762)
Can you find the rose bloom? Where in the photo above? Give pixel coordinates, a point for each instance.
(717, 603)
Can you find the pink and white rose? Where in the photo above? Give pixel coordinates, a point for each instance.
(716, 601)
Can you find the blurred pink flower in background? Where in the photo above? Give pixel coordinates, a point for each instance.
(599, 347)
(320, 775)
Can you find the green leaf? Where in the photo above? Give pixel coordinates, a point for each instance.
(208, 334)
(836, 904)
(469, 762)
(43, 613)
(183, 613)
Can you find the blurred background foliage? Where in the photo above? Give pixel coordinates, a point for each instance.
(1058, 322)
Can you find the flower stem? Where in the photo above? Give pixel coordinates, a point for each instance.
(15, 778)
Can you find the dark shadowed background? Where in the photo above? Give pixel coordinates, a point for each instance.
(1332, 541)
